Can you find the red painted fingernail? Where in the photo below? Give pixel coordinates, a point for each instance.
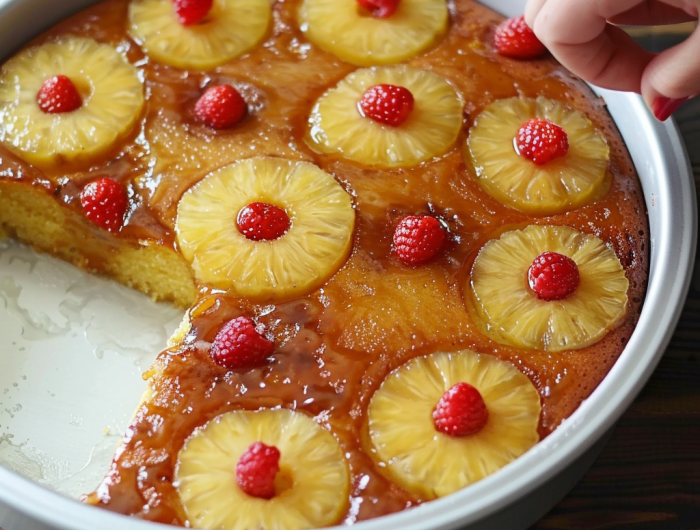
(663, 107)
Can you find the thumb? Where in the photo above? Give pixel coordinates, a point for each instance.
(673, 77)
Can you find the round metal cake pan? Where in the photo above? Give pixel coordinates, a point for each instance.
(524, 490)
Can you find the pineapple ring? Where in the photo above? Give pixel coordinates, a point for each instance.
(561, 184)
(430, 130)
(430, 463)
(112, 102)
(315, 246)
(341, 27)
(311, 459)
(512, 313)
(231, 28)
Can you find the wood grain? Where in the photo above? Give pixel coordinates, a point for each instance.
(648, 476)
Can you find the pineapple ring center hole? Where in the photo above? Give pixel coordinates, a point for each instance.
(211, 16)
(553, 276)
(204, 21)
(83, 86)
(376, 8)
(363, 12)
(263, 221)
(284, 480)
(540, 141)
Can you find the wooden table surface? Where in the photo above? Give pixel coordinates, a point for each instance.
(648, 475)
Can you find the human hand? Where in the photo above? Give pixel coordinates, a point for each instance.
(581, 34)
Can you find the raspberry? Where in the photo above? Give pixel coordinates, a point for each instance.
(461, 411)
(58, 94)
(541, 141)
(256, 470)
(220, 107)
(239, 344)
(105, 203)
(387, 104)
(191, 11)
(380, 8)
(553, 276)
(514, 38)
(260, 221)
(418, 238)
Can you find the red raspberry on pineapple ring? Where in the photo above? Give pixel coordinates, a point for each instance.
(240, 344)
(220, 107)
(105, 203)
(541, 141)
(387, 104)
(260, 221)
(461, 411)
(380, 8)
(553, 276)
(418, 238)
(191, 12)
(514, 38)
(256, 470)
(58, 94)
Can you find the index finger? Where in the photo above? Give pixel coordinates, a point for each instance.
(578, 35)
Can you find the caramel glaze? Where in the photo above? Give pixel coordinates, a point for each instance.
(335, 346)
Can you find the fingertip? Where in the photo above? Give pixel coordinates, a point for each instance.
(532, 8)
(660, 105)
(672, 78)
(663, 107)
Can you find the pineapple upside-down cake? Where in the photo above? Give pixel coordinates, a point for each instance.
(410, 243)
